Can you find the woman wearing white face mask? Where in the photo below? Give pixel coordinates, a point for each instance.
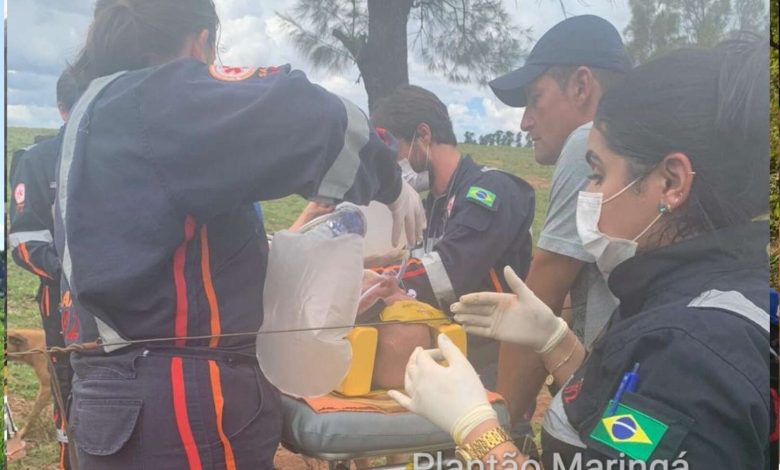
(679, 156)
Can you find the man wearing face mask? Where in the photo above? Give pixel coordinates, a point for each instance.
(478, 218)
(675, 214)
(560, 85)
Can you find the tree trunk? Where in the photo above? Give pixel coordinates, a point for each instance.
(382, 62)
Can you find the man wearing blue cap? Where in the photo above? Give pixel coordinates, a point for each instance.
(560, 86)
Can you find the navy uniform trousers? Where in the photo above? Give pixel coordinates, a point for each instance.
(197, 412)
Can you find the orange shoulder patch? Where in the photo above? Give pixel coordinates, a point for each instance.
(263, 72)
(231, 74)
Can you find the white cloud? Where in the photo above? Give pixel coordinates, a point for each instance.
(43, 34)
(234, 9)
(244, 41)
(506, 118)
(33, 116)
(457, 110)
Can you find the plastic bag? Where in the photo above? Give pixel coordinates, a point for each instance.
(313, 281)
(380, 228)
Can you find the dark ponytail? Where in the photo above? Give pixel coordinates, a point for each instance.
(713, 106)
(134, 34)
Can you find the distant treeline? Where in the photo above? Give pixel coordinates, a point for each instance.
(499, 138)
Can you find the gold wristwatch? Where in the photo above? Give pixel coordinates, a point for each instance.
(478, 449)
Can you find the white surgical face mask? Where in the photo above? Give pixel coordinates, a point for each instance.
(427, 154)
(608, 251)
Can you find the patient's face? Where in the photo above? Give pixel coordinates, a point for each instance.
(396, 342)
(395, 346)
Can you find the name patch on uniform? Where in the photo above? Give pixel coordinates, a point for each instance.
(481, 196)
(231, 74)
(630, 431)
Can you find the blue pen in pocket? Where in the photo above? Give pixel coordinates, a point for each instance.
(627, 384)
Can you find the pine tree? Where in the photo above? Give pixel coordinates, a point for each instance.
(465, 41)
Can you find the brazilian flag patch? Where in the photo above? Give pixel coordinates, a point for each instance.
(630, 432)
(481, 196)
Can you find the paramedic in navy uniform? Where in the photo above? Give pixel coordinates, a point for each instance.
(679, 155)
(157, 234)
(479, 218)
(32, 245)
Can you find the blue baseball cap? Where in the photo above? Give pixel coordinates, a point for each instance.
(580, 40)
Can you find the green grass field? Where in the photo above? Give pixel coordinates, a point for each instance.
(23, 311)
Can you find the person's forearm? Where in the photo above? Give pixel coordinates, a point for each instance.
(521, 371)
(565, 358)
(521, 374)
(309, 213)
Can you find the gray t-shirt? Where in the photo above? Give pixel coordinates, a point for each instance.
(592, 302)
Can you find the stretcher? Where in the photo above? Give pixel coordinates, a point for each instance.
(346, 433)
(341, 437)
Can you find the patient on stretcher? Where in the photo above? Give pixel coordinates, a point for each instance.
(396, 342)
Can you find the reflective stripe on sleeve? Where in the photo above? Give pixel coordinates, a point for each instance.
(341, 175)
(18, 238)
(439, 279)
(72, 128)
(734, 302)
(68, 150)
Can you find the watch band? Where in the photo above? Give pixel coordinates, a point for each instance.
(479, 448)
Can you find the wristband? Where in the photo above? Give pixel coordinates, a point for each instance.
(556, 338)
(466, 423)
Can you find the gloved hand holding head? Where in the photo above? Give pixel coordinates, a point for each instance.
(451, 397)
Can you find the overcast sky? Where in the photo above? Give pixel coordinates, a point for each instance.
(43, 34)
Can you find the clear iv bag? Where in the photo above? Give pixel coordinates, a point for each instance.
(313, 281)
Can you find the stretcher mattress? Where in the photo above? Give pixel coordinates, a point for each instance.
(345, 435)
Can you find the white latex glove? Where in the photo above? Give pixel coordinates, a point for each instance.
(408, 213)
(442, 394)
(519, 318)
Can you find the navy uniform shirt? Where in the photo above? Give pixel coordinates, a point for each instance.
(33, 186)
(694, 316)
(159, 236)
(479, 226)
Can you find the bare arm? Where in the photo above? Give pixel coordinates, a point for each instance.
(551, 277)
(312, 210)
(520, 370)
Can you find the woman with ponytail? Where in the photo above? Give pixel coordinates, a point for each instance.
(163, 257)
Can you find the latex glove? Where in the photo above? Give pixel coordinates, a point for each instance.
(442, 394)
(519, 318)
(408, 214)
